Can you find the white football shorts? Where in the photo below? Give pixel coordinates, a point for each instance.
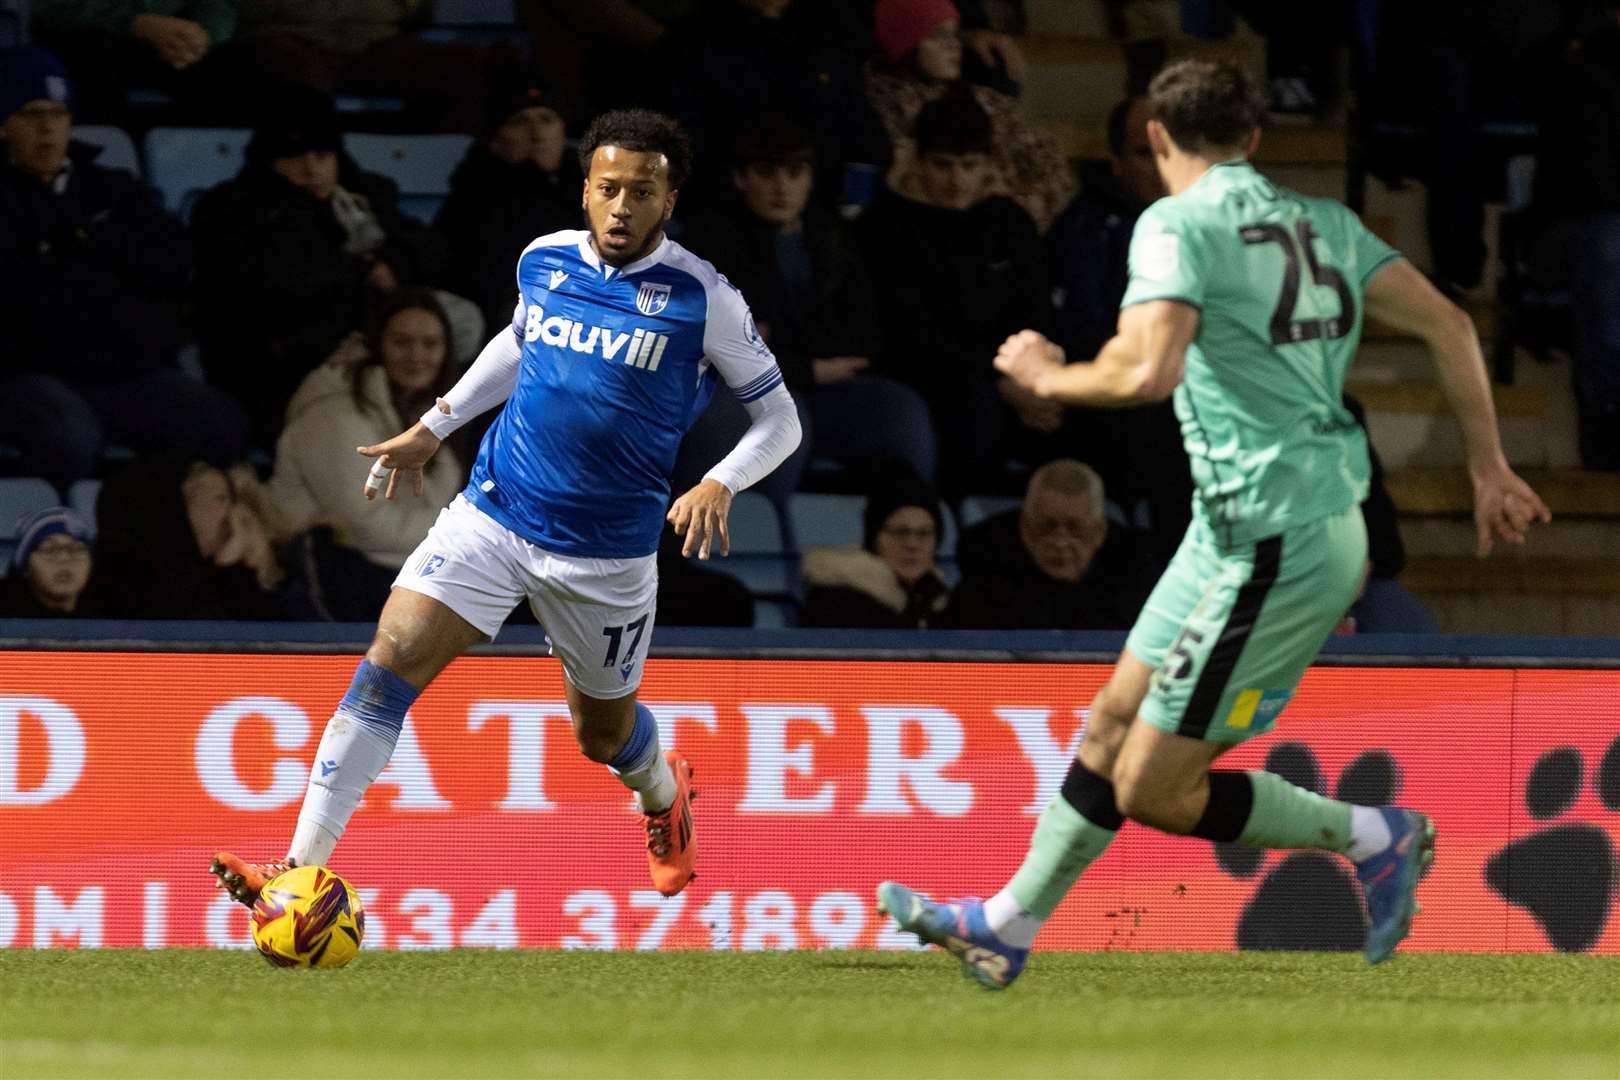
(597, 613)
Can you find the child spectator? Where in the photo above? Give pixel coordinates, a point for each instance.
(50, 570)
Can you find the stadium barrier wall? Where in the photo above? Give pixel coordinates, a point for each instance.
(120, 771)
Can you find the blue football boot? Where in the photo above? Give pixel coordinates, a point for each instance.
(957, 927)
(1389, 880)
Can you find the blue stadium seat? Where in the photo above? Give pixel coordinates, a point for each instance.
(13, 25)
(753, 526)
(774, 614)
(765, 575)
(21, 496)
(420, 164)
(975, 508)
(824, 520)
(474, 12)
(182, 163)
(947, 542)
(117, 148)
(82, 499)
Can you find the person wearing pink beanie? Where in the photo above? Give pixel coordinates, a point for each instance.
(921, 61)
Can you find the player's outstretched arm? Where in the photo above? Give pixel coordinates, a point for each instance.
(1141, 363)
(1400, 297)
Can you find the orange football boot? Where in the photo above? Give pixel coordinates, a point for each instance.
(671, 847)
(244, 880)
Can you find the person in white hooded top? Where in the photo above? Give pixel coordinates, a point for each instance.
(359, 397)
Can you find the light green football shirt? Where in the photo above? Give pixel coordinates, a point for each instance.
(1278, 279)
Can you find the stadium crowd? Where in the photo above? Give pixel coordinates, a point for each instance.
(865, 174)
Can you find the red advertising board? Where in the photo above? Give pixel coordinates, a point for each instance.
(120, 773)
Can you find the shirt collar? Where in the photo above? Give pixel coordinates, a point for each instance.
(652, 258)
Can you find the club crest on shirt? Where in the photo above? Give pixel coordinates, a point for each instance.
(651, 298)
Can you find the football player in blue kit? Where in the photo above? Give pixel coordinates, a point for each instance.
(616, 344)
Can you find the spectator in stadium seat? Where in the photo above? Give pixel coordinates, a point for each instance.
(520, 183)
(1056, 563)
(799, 267)
(955, 273)
(1578, 196)
(921, 62)
(92, 275)
(1384, 606)
(738, 59)
(1137, 451)
(50, 570)
(406, 366)
(893, 580)
(113, 45)
(291, 253)
(181, 539)
(368, 47)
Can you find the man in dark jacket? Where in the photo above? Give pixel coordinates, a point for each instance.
(520, 183)
(290, 252)
(1057, 563)
(799, 268)
(955, 274)
(92, 272)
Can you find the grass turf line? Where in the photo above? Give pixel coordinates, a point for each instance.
(181, 1013)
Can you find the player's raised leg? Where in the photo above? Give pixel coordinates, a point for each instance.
(417, 636)
(599, 616)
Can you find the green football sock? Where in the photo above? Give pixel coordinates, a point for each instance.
(1288, 816)
(1064, 844)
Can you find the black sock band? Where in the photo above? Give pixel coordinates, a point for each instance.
(1092, 797)
(1231, 800)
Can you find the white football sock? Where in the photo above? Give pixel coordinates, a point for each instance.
(1369, 833)
(351, 755)
(1010, 922)
(652, 781)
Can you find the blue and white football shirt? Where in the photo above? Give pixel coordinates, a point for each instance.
(617, 363)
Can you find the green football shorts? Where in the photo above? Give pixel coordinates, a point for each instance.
(1230, 630)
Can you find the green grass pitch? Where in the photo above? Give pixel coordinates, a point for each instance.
(185, 1013)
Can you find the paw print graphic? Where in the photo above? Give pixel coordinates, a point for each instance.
(1563, 875)
(1310, 899)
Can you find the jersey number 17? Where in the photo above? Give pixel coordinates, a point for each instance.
(1285, 329)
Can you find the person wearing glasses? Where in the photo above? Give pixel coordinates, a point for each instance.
(891, 582)
(50, 569)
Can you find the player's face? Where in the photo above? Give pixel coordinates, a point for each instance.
(1062, 532)
(952, 181)
(413, 349)
(627, 200)
(315, 171)
(534, 134)
(939, 55)
(37, 137)
(907, 543)
(1134, 168)
(59, 569)
(775, 192)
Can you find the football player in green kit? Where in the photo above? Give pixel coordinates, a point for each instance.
(1246, 301)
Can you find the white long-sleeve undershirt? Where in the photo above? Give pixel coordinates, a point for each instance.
(484, 385)
(773, 434)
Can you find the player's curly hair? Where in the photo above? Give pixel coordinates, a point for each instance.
(645, 132)
(1207, 105)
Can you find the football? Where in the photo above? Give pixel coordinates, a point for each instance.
(308, 917)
